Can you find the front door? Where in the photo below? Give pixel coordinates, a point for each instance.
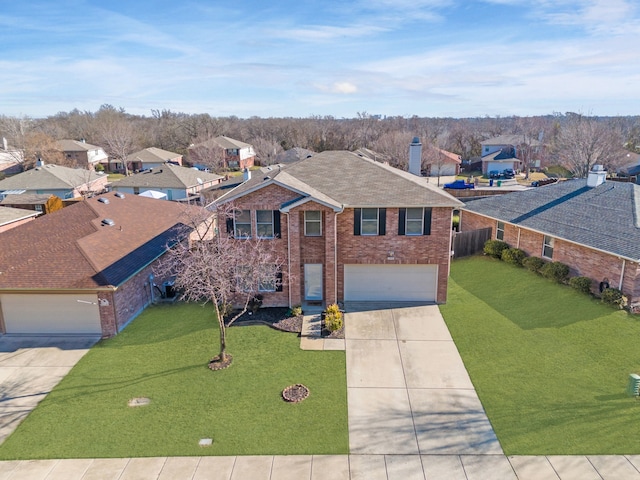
(313, 282)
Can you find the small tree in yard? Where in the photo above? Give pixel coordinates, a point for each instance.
(216, 268)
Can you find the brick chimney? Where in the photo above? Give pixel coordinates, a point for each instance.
(415, 157)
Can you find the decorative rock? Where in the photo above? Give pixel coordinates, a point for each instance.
(295, 393)
(216, 364)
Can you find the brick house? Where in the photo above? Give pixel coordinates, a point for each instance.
(351, 229)
(589, 224)
(85, 269)
(83, 154)
(224, 152)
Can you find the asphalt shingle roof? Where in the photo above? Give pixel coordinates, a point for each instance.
(605, 217)
(168, 176)
(75, 146)
(70, 248)
(153, 154)
(10, 214)
(49, 177)
(344, 178)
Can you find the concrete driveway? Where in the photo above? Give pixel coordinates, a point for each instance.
(408, 390)
(29, 369)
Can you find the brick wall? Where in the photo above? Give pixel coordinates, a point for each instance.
(429, 249)
(132, 297)
(582, 261)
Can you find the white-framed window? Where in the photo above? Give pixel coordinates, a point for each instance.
(39, 208)
(242, 224)
(267, 278)
(547, 247)
(414, 221)
(500, 231)
(264, 223)
(313, 223)
(369, 221)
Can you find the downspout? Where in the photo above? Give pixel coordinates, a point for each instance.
(335, 257)
(289, 255)
(624, 262)
(450, 244)
(519, 231)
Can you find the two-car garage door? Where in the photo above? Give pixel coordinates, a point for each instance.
(393, 283)
(50, 314)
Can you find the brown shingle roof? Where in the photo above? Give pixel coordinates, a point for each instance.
(70, 249)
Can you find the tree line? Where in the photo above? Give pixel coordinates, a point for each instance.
(575, 141)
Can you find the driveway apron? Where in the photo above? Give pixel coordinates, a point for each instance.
(408, 390)
(29, 369)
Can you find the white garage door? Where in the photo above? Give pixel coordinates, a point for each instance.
(390, 283)
(51, 314)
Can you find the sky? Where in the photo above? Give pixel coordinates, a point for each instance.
(302, 58)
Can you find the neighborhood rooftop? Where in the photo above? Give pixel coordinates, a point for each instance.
(605, 217)
(168, 176)
(49, 177)
(345, 179)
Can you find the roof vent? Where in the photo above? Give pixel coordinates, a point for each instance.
(597, 176)
(119, 194)
(104, 200)
(108, 222)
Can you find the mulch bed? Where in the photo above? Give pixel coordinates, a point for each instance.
(295, 393)
(275, 317)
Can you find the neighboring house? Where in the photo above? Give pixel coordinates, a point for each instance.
(591, 225)
(83, 154)
(152, 157)
(443, 163)
(178, 183)
(86, 269)
(293, 155)
(45, 203)
(350, 229)
(503, 152)
(14, 217)
(229, 153)
(11, 159)
(631, 165)
(63, 182)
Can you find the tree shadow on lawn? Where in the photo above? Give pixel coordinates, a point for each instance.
(526, 299)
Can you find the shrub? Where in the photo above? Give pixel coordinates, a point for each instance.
(255, 303)
(295, 311)
(534, 264)
(613, 297)
(513, 256)
(556, 271)
(333, 318)
(581, 284)
(494, 248)
(99, 167)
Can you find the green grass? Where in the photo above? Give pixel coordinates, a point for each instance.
(163, 355)
(115, 176)
(550, 365)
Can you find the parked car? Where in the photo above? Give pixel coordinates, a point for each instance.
(509, 173)
(495, 174)
(458, 184)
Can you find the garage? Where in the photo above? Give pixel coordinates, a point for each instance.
(394, 283)
(50, 314)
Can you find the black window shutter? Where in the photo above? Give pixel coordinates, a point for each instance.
(426, 227)
(402, 218)
(276, 223)
(382, 221)
(229, 225)
(357, 214)
(279, 281)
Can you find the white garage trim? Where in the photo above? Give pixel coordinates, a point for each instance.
(50, 313)
(394, 283)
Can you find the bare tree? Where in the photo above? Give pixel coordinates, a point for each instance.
(218, 269)
(585, 141)
(209, 154)
(118, 134)
(266, 150)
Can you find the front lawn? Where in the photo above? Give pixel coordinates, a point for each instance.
(163, 355)
(550, 365)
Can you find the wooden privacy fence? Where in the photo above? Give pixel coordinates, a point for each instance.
(471, 242)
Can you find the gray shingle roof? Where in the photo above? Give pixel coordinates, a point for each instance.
(169, 176)
(344, 178)
(49, 177)
(605, 217)
(75, 146)
(10, 215)
(153, 154)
